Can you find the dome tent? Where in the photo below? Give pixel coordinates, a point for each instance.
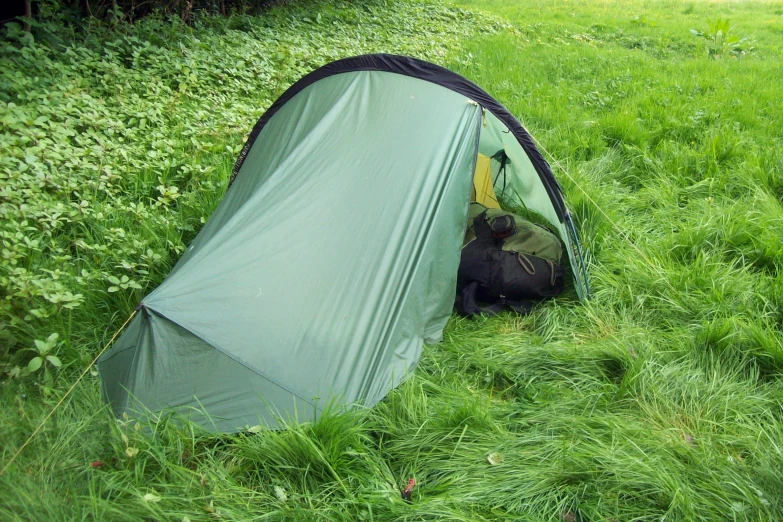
(333, 255)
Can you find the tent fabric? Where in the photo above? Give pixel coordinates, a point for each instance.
(425, 71)
(168, 367)
(323, 285)
(503, 125)
(332, 258)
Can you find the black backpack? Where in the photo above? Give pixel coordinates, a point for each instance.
(492, 279)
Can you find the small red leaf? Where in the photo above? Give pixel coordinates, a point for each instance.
(406, 493)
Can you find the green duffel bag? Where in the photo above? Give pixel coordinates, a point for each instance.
(528, 238)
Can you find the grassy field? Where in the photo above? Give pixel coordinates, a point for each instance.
(660, 399)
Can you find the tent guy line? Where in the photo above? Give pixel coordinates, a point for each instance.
(67, 393)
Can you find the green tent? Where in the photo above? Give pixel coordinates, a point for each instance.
(333, 255)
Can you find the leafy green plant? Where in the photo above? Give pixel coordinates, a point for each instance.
(642, 21)
(122, 283)
(45, 361)
(721, 41)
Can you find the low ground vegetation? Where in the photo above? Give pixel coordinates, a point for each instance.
(660, 398)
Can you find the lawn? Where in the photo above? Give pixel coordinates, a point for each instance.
(661, 398)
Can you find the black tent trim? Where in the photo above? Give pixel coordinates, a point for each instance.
(430, 72)
(424, 71)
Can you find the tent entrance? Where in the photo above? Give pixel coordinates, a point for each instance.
(518, 184)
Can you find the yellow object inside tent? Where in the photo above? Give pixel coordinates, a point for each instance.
(483, 192)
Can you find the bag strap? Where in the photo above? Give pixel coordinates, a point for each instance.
(481, 227)
(527, 265)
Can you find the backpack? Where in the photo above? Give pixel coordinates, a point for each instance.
(507, 262)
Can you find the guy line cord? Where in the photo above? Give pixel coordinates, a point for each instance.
(62, 399)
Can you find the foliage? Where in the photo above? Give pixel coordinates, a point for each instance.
(659, 399)
(119, 141)
(44, 361)
(721, 41)
(117, 11)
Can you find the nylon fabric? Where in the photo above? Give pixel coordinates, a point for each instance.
(334, 254)
(175, 370)
(337, 308)
(509, 128)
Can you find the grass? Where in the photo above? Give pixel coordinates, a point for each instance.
(659, 399)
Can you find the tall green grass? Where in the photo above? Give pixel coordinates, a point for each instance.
(679, 149)
(661, 398)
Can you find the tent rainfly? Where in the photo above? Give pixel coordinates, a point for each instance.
(333, 256)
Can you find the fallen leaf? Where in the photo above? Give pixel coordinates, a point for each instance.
(131, 452)
(280, 494)
(568, 516)
(406, 493)
(151, 497)
(495, 458)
